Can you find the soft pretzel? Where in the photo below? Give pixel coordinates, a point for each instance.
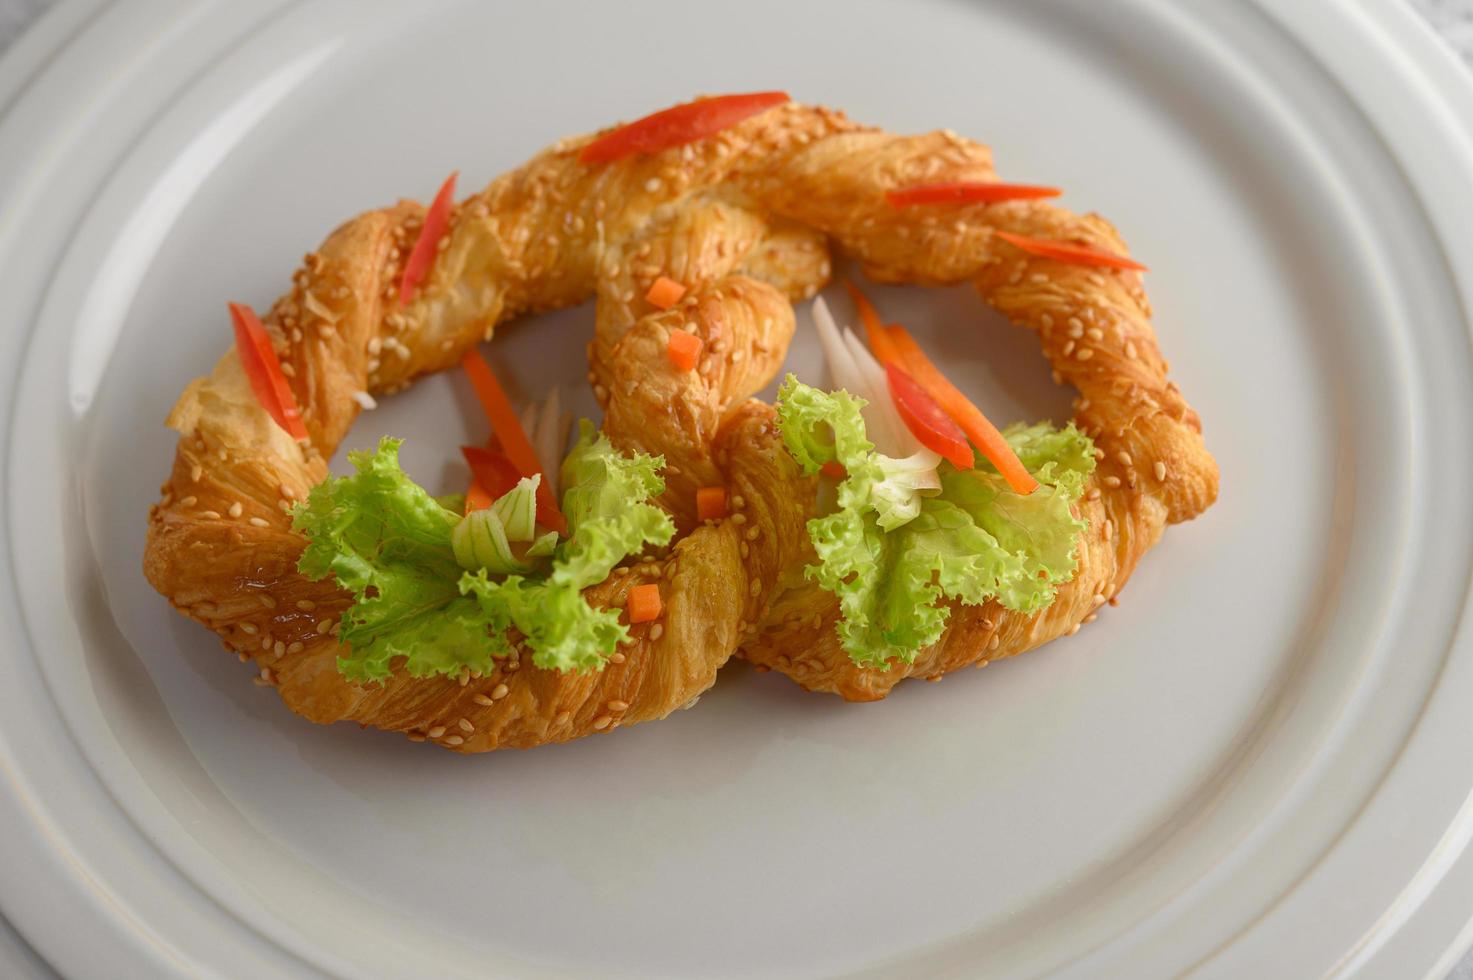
(744, 220)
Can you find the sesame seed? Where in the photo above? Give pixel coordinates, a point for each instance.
(415, 737)
(324, 625)
(756, 588)
(657, 631)
(602, 722)
(738, 518)
(188, 501)
(499, 691)
(482, 700)
(1109, 529)
(1160, 470)
(1095, 333)
(1074, 629)
(1099, 599)
(436, 732)
(236, 509)
(618, 705)
(1094, 494)
(210, 515)
(278, 648)
(652, 185)
(454, 739)
(1085, 353)
(1069, 348)
(1124, 458)
(1038, 277)
(266, 642)
(1090, 618)
(617, 657)
(294, 647)
(1130, 350)
(753, 533)
(995, 642)
(1057, 377)
(196, 472)
(1112, 482)
(563, 717)
(306, 605)
(249, 629)
(739, 501)
(465, 725)
(286, 491)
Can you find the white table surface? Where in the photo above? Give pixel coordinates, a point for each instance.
(1452, 19)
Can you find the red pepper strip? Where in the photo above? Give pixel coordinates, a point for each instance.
(492, 471)
(967, 192)
(677, 125)
(1052, 248)
(263, 370)
(509, 430)
(422, 256)
(925, 419)
(834, 470)
(983, 433)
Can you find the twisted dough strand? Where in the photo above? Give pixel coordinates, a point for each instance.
(744, 220)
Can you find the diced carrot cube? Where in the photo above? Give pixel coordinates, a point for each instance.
(711, 503)
(644, 603)
(684, 349)
(664, 293)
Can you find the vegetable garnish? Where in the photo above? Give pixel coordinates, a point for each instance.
(263, 370)
(684, 349)
(437, 220)
(644, 603)
(833, 469)
(476, 497)
(969, 417)
(974, 541)
(1071, 252)
(508, 429)
(677, 125)
(664, 293)
(386, 540)
(925, 419)
(491, 469)
(874, 328)
(710, 503)
(967, 191)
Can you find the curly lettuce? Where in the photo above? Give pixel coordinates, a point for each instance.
(891, 551)
(384, 538)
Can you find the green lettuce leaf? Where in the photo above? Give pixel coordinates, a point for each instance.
(891, 554)
(605, 502)
(390, 543)
(387, 541)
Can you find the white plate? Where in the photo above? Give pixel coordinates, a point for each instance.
(1255, 766)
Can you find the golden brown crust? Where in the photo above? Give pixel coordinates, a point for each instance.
(745, 220)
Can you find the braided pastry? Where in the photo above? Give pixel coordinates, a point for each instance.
(744, 220)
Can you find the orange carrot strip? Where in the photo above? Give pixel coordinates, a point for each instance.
(966, 192)
(874, 329)
(426, 246)
(711, 503)
(1071, 252)
(979, 430)
(476, 497)
(509, 430)
(644, 603)
(684, 349)
(664, 293)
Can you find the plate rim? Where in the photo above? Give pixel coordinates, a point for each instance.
(39, 45)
